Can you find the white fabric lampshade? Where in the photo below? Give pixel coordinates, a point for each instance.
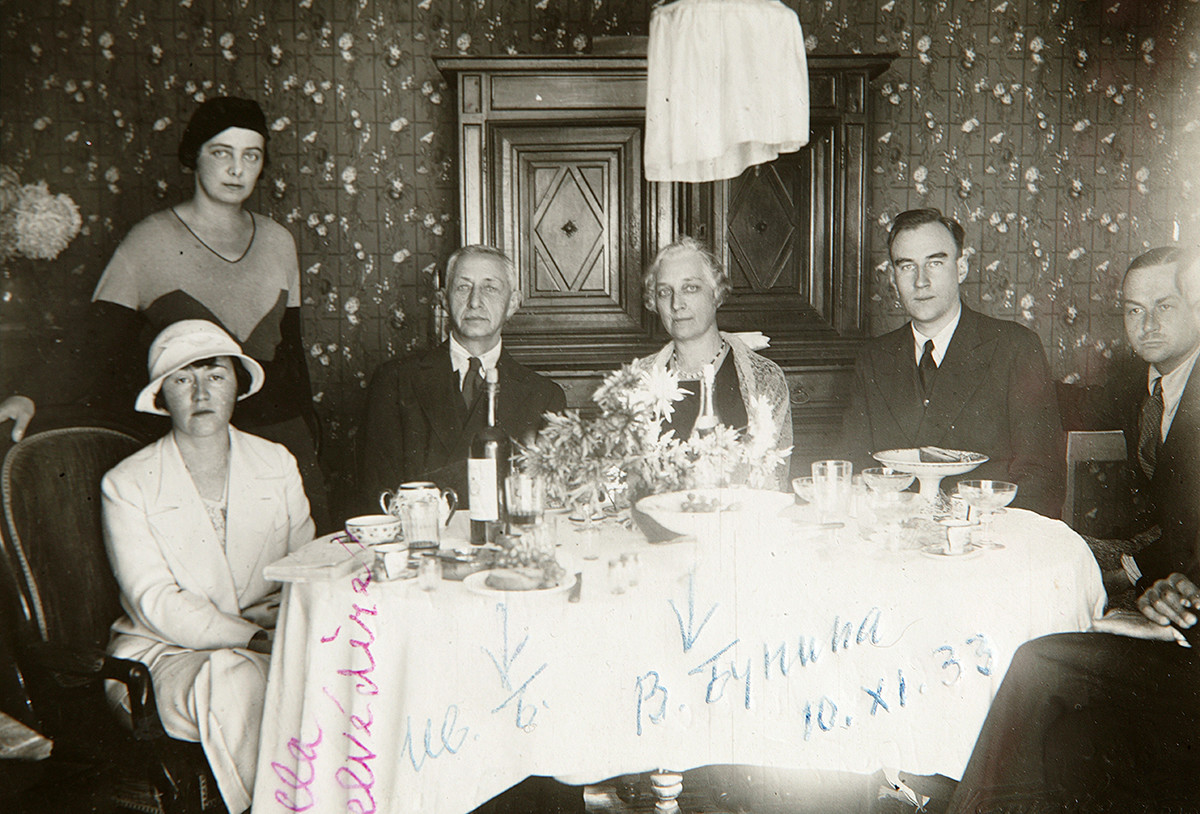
(727, 88)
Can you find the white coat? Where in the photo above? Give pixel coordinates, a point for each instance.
(183, 593)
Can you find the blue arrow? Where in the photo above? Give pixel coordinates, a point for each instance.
(691, 633)
(505, 662)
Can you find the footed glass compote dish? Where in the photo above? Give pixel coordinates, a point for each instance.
(930, 465)
(987, 496)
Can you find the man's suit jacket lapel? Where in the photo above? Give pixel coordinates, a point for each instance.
(1180, 447)
(440, 397)
(961, 373)
(906, 402)
(514, 393)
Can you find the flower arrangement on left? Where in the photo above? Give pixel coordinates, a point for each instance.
(33, 222)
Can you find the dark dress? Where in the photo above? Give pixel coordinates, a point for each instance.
(727, 401)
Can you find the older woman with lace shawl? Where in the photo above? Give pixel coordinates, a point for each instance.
(685, 286)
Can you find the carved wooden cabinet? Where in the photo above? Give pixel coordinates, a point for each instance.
(550, 171)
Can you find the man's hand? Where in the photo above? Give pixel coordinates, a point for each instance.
(20, 409)
(1171, 601)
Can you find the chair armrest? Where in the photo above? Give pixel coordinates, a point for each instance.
(90, 664)
(142, 707)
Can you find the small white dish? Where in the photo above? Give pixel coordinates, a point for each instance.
(937, 551)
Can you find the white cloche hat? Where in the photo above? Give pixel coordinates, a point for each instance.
(182, 343)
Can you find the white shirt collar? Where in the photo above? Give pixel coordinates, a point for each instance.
(940, 342)
(1172, 388)
(460, 358)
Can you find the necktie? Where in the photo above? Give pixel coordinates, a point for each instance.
(470, 385)
(1150, 429)
(927, 367)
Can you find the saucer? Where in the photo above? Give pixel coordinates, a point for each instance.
(937, 551)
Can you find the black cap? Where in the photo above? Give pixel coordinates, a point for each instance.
(215, 116)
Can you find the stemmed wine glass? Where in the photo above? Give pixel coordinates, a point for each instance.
(987, 496)
(887, 480)
(803, 487)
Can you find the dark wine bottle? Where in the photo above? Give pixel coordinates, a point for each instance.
(486, 470)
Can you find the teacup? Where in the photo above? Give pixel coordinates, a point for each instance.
(958, 535)
(391, 561)
(372, 529)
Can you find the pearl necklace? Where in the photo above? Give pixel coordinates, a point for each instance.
(687, 375)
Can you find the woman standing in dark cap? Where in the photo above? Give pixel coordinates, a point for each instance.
(206, 258)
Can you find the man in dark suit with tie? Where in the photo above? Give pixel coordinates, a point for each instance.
(955, 378)
(1162, 408)
(424, 410)
(1103, 722)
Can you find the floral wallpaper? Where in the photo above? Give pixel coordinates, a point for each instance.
(1064, 134)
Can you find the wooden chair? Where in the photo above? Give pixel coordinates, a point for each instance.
(1092, 447)
(59, 580)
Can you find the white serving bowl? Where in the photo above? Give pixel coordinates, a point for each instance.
(731, 506)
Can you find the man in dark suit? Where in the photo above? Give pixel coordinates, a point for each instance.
(1161, 304)
(1103, 722)
(955, 378)
(424, 410)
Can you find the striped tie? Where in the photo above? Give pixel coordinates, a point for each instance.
(1150, 429)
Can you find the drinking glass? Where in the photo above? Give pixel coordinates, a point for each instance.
(421, 523)
(986, 496)
(526, 501)
(429, 572)
(832, 487)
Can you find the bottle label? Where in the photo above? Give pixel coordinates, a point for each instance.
(482, 488)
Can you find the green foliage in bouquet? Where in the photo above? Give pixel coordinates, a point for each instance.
(582, 459)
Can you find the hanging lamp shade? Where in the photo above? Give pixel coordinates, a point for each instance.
(726, 88)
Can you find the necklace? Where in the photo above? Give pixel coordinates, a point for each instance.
(695, 374)
(238, 259)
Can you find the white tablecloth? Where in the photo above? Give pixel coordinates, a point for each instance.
(771, 646)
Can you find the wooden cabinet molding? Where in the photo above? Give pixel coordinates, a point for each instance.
(550, 171)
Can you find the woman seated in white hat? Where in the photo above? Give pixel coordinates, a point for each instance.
(189, 523)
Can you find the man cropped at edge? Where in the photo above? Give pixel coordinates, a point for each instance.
(1103, 722)
(423, 411)
(1162, 410)
(955, 378)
